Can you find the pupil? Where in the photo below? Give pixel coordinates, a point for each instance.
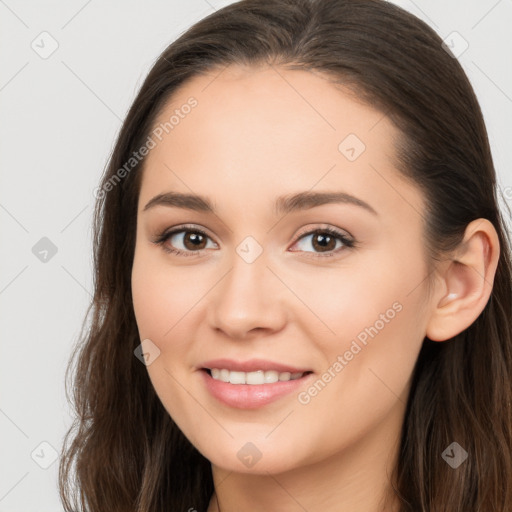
(195, 239)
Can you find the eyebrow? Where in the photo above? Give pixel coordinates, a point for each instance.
(283, 204)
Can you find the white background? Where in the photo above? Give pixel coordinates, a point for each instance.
(60, 117)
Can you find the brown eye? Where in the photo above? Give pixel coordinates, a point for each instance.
(185, 241)
(326, 240)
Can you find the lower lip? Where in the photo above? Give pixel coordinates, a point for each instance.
(250, 396)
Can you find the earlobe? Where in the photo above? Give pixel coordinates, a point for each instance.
(467, 282)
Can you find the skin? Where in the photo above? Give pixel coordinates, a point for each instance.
(256, 134)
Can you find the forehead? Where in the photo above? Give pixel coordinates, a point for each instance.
(266, 131)
(283, 101)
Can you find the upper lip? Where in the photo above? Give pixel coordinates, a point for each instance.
(250, 366)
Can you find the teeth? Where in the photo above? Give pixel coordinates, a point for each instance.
(237, 377)
(271, 376)
(257, 377)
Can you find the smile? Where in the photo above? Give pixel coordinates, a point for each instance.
(254, 389)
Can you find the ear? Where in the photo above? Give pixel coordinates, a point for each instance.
(466, 282)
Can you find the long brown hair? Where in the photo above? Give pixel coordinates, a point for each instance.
(126, 452)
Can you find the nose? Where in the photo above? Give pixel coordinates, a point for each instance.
(248, 301)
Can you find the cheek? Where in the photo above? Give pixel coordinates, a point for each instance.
(372, 316)
(367, 371)
(163, 296)
(362, 293)
(163, 300)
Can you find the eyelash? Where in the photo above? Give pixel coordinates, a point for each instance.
(348, 243)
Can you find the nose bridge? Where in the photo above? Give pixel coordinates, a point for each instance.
(248, 296)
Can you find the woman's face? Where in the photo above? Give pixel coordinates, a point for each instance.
(337, 317)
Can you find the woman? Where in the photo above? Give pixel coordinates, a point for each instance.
(303, 283)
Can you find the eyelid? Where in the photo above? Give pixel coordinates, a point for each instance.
(166, 233)
(307, 230)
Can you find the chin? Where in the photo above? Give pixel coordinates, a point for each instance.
(252, 458)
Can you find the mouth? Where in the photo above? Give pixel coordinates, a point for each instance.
(251, 384)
